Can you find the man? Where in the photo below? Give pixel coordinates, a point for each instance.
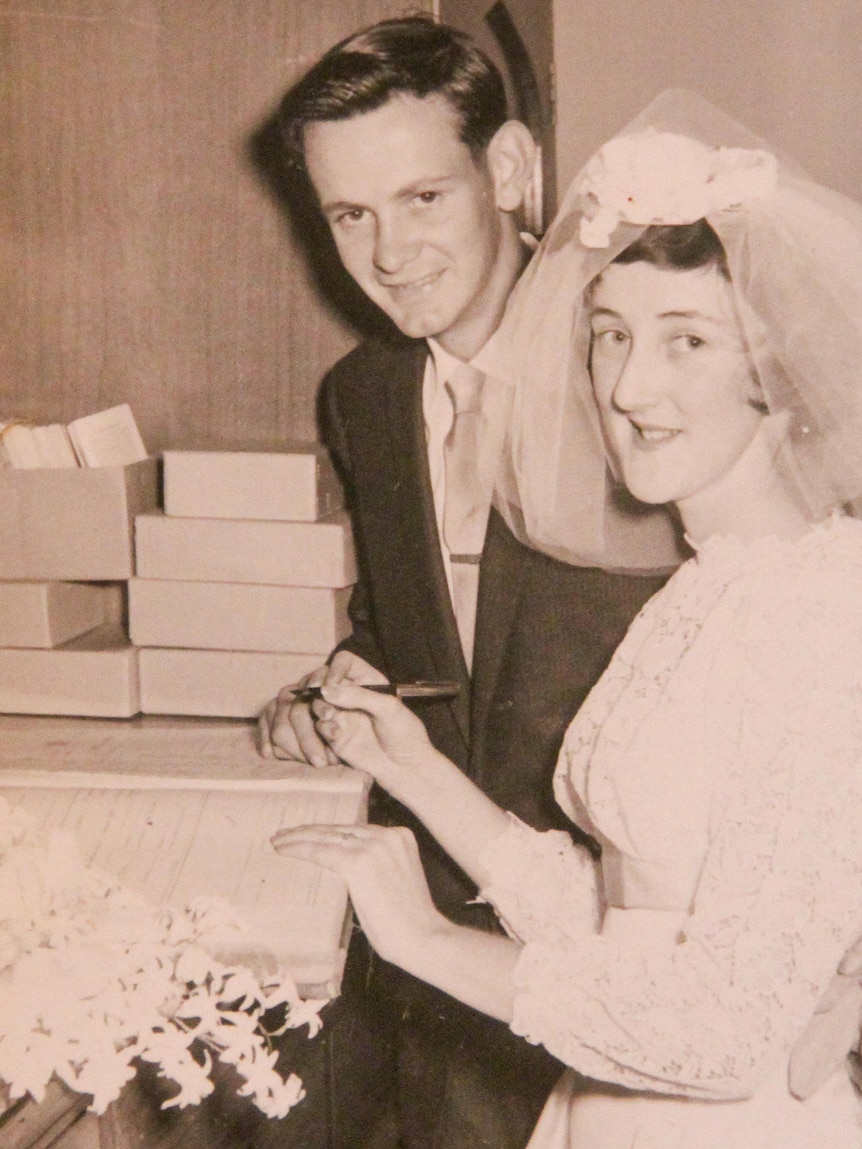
(403, 134)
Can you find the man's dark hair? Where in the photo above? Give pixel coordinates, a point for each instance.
(410, 56)
(678, 247)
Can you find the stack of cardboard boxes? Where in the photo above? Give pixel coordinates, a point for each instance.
(242, 582)
(65, 554)
(238, 587)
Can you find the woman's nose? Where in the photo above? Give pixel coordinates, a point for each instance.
(638, 384)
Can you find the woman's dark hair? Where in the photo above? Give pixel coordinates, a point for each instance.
(411, 56)
(678, 247)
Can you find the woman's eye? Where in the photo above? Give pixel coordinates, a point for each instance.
(427, 197)
(692, 342)
(612, 336)
(355, 215)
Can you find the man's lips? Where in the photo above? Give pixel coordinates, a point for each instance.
(414, 284)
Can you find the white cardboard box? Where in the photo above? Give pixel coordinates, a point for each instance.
(296, 485)
(46, 614)
(94, 676)
(216, 683)
(237, 616)
(73, 524)
(246, 551)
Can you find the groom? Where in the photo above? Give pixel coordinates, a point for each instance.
(403, 133)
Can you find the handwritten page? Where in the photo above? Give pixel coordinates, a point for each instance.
(178, 810)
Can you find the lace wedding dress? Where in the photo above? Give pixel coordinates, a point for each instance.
(719, 763)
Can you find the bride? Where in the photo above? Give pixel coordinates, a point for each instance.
(691, 327)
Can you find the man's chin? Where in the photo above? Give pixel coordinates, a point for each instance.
(419, 326)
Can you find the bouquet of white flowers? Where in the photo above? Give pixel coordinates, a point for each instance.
(94, 979)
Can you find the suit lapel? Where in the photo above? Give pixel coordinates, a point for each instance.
(426, 590)
(504, 563)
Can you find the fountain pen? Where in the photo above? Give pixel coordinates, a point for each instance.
(399, 689)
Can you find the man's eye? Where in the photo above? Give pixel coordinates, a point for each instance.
(428, 197)
(355, 215)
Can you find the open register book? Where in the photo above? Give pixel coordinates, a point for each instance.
(182, 808)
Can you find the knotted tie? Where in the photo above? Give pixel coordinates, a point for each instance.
(465, 513)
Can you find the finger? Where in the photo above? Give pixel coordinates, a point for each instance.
(349, 696)
(302, 729)
(282, 740)
(327, 833)
(347, 667)
(330, 731)
(336, 848)
(291, 733)
(328, 855)
(264, 737)
(340, 729)
(313, 678)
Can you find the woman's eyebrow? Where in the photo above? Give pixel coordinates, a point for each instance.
(703, 315)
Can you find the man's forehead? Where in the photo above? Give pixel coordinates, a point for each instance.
(406, 132)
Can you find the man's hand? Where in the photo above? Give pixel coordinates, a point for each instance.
(286, 727)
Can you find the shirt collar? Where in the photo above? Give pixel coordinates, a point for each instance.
(445, 363)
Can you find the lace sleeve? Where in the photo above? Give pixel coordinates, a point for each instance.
(780, 893)
(542, 885)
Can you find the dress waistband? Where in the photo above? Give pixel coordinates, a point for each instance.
(632, 883)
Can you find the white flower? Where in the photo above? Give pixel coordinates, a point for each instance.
(663, 178)
(93, 978)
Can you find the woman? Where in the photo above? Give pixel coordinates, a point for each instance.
(693, 322)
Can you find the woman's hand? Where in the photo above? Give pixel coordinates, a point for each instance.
(384, 875)
(373, 732)
(285, 726)
(377, 733)
(387, 885)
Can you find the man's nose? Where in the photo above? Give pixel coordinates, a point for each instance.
(394, 246)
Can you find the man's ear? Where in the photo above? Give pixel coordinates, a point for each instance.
(510, 156)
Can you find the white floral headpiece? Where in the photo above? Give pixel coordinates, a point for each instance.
(664, 178)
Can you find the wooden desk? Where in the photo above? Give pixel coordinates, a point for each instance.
(340, 1068)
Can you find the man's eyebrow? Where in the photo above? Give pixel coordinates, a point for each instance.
(426, 183)
(339, 206)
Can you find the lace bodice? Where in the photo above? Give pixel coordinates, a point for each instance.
(719, 762)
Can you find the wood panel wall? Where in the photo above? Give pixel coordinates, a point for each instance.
(143, 258)
(789, 70)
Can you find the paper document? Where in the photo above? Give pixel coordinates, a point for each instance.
(178, 834)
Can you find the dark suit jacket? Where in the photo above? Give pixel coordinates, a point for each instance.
(545, 630)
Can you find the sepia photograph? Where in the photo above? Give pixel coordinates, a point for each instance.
(430, 579)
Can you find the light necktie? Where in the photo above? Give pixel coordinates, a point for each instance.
(465, 511)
